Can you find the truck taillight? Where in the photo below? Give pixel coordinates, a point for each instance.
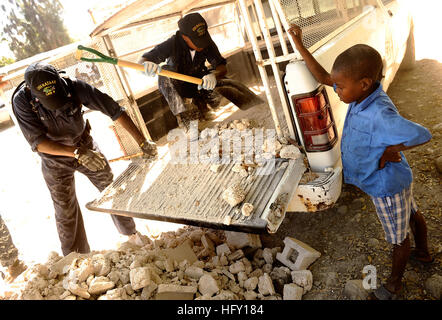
(316, 121)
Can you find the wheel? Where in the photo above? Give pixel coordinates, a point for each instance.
(409, 60)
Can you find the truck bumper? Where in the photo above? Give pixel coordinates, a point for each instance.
(319, 194)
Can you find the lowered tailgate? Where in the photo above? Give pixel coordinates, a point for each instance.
(192, 194)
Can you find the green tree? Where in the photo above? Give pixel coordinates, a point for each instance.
(34, 26)
(4, 61)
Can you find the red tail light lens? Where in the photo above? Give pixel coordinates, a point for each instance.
(316, 121)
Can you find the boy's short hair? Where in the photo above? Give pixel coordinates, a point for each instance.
(360, 61)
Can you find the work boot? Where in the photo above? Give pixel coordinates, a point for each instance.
(14, 270)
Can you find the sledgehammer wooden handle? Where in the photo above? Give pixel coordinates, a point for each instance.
(165, 73)
(127, 157)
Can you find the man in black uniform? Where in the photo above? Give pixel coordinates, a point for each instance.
(48, 111)
(186, 52)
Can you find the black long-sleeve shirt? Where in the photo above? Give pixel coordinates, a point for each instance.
(62, 126)
(177, 53)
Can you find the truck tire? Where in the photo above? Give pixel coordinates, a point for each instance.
(409, 60)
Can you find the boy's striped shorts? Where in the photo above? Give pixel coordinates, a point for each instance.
(394, 212)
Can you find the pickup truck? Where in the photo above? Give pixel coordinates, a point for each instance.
(313, 116)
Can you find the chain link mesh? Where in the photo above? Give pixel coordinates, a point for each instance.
(319, 18)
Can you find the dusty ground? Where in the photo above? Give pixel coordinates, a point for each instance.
(349, 236)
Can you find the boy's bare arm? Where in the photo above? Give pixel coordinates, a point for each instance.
(392, 153)
(320, 74)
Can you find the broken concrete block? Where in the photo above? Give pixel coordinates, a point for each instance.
(265, 285)
(223, 249)
(234, 194)
(100, 285)
(194, 272)
(102, 265)
(292, 292)
(114, 294)
(148, 291)
(239, 240)
(247, 209)
(141, 277)
(207, 243)
(60, 266)
(223, 260)
(242, 277)
(182, 252)
(238, 254)
(297, 255)
(85, 270)
(267, 254)
(207, 285)
(290, 152)
(79, 291)
(129, 289)
(114, 276)
(250, 295)
(303, 278)
(237, 267)
(251, 283)
(267, 268)
(175, 292)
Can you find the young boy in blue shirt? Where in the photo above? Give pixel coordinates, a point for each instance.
(373, 139)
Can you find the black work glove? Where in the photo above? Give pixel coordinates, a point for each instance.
(149, 149)
(91, 159)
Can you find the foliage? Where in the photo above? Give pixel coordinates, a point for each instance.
(33, 26)
(4, 61)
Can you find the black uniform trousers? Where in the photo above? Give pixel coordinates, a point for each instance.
(58, 173)
(175, 90)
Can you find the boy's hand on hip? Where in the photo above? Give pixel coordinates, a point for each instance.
(389, 155)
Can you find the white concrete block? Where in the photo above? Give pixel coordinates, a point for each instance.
(297, 255)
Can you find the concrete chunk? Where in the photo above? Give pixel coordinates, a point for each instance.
(237, 267)
(303, 278)
(182, 252)
(239, 240)
(100, 285)
(141, 277)
(207, 285)
(234, 194)
(223, 249)
(292, 292)
(265, 285)
(251, 283)
(60, 266)
(297, 255)
(175, 292)
(194, 272)
(207, 243)
(79, 291)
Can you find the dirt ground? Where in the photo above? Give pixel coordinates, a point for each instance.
(350, 236)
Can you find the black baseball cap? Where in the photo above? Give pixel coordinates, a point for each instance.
(46, 85)
(194, 26)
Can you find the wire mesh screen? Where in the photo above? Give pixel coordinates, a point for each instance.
(319, 18)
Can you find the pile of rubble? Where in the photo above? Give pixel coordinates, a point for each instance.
(190, 263)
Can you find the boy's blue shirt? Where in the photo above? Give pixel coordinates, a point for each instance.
(369, 128)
